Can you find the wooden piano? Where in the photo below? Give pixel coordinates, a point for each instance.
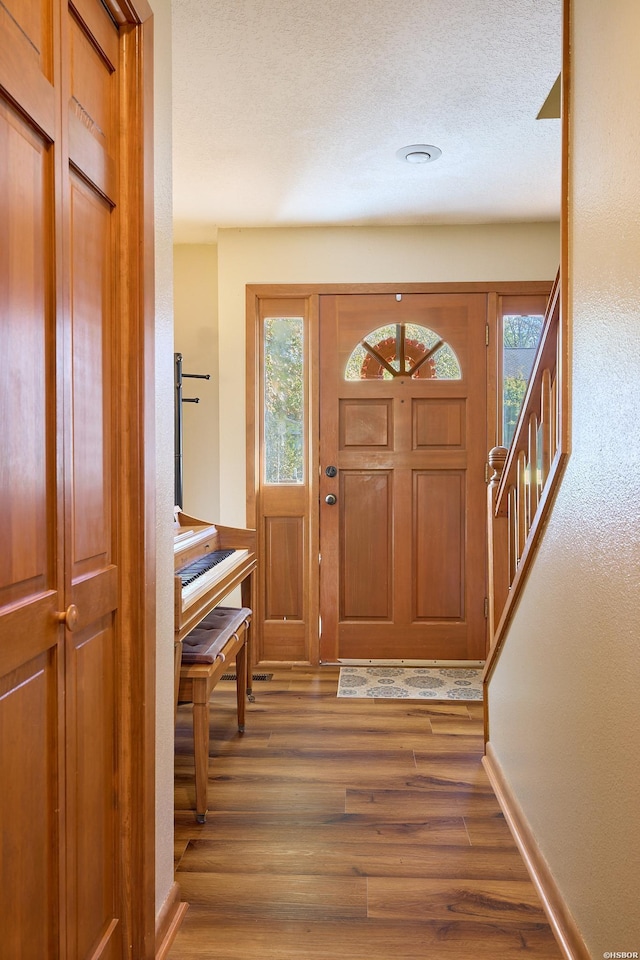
(209, 562)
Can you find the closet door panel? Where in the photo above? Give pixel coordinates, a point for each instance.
(27, 395)
(91, 647)
(28, 809)
(91, 793)
(95, 919)
(92, 323)
(93, 100)
(31, 758)
(26, 59)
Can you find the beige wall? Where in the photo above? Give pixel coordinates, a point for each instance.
(351, 255)
(164, 449)
(564, 703)
(196, 338)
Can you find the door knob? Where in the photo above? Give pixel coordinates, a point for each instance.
(331, 499)
(69, 617)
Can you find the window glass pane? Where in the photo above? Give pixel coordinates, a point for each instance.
(283, 399)
(355, 364)
(421, 335)
(520, 338)
(446, 364)
(378, 355)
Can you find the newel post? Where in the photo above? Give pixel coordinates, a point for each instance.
(497, 544)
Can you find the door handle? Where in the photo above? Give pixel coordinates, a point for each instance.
(331, 499)
(69, 617)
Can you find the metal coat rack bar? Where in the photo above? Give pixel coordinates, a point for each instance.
(178, 426)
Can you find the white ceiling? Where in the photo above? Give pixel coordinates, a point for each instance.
(290, 112)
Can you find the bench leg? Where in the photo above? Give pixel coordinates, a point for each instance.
(201, 746)
(248, 634)
(247, 589)
(241, 680)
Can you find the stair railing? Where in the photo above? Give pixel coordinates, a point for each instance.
(526, 476)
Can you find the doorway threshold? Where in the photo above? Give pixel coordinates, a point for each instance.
(363, 662)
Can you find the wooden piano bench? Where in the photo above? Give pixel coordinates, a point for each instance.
(206, 653)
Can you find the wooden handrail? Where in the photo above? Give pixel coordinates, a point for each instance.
(526, 477)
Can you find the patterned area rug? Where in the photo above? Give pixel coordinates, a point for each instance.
(411, 683)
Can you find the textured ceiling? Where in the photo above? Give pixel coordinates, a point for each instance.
(290, 112)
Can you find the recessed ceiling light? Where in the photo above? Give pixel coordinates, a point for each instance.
(419, 153)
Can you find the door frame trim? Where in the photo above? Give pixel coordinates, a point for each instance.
(255, 294)
(134, 367)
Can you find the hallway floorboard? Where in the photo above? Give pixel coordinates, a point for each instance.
(347, 830)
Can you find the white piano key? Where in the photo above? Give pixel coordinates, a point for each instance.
(204, 583)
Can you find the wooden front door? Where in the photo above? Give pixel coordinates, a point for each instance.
(70, 285)
(403, 428)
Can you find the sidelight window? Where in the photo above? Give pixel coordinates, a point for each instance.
(520, 338)
(283, 400)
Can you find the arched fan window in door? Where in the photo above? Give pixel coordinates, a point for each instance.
(403, 350)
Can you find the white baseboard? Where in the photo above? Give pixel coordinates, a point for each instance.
(560, 919)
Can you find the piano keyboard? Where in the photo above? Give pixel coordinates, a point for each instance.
(200, 566)
(213, 572)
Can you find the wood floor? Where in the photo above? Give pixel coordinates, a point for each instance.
(359, 829)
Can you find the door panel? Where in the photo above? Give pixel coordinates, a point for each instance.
(26, 63)
(91, 321)
(366, 552)
(93, 113)
(31, 752)
(438, 423)
(91, 794)
(91, 648)
(28, 808)
(438, 532)
(285, 564)
(284, 596)
(27, 401)
(402, 571)
(366, 423)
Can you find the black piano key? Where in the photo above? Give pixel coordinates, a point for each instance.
(194, 570)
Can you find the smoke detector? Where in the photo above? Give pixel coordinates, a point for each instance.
(419, 153)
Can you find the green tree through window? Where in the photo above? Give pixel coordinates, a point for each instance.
(283, 399)
(521, 335)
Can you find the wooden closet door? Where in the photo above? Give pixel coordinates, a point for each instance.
(31, 557)
(71, 414)
(92, 300)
